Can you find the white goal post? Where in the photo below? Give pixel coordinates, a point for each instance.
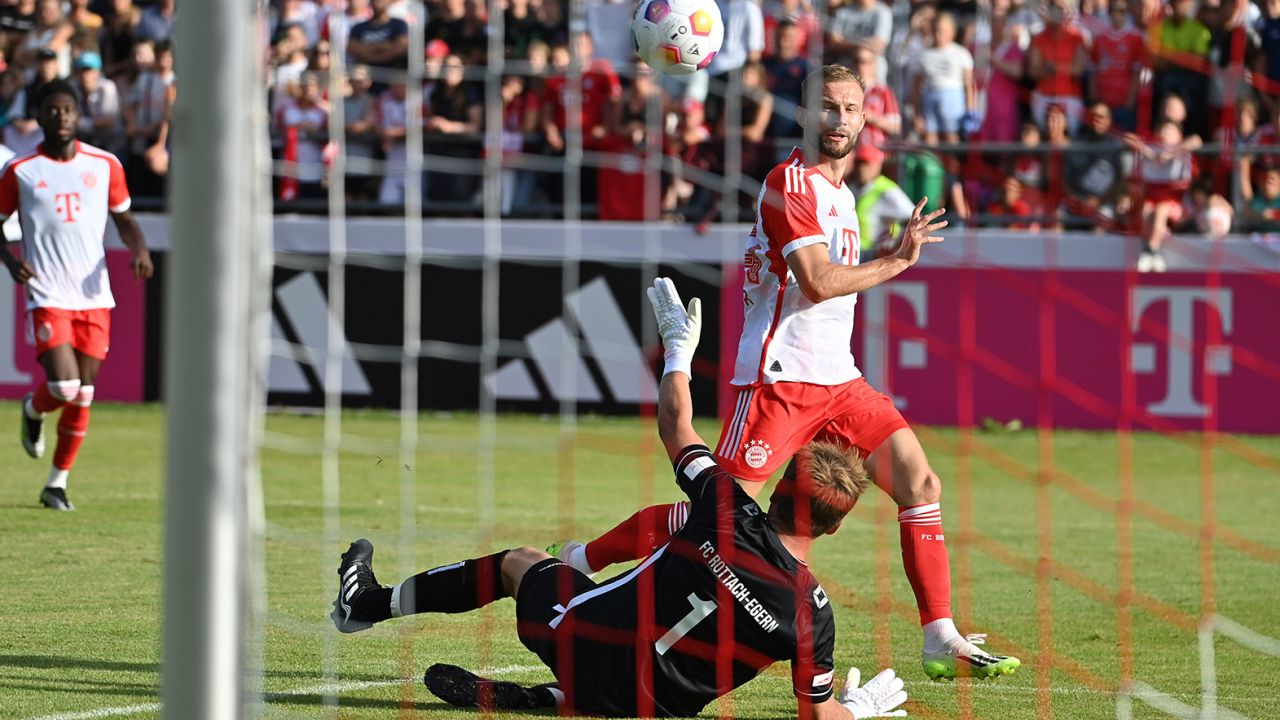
(216, 291)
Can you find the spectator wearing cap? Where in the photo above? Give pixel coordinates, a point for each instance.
(1056, 62)
(881, 203)
(116, 41)
(47, 69)
(144, 115)
(52, 32)
(99, 105)
(156, 23)
(433, 64)
(382, 41)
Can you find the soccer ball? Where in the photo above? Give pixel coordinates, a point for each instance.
(677, 37)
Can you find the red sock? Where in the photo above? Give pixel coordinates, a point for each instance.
(924, 556)
(72, 427)
(638, 535)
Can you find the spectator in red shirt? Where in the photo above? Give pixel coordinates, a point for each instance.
(880, 106)
(601, 88)
(1118, 53)
(687, 198)
(520, 111)
(1012, 204)
(1056, 63)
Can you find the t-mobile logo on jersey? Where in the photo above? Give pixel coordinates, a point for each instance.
(1179, 399)
(67, 205)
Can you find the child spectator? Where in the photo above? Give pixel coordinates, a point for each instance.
(1056, 62)
(144, 114)
(1028, 166)
(1264, 209)
(1211, 213)
(1118, 54)
(944, 89)
(1012, 205)
(1165, 169)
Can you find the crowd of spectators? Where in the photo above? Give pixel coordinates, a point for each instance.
(117, 54)
(1142, 116)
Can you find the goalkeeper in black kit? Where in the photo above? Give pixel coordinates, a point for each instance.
(727, 596)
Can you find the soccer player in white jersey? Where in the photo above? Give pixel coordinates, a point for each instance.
(795, 376)
(63, 193)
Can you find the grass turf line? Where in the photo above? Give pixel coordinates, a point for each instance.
(84, 588)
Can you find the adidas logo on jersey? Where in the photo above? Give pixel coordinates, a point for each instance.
(42, 185)
(775, 367)
(833, 212)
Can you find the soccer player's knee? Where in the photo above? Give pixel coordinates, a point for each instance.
(85, 397)
(64, 390)
(929, 488)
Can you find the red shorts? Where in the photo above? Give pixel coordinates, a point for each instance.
(771, 422)
(88, 331)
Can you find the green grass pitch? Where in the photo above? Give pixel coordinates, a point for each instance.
(83, 601)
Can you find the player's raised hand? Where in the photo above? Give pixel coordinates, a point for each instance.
(141, 265)
(680, 328)
(878, 698)
(20, 269)
(918, 232)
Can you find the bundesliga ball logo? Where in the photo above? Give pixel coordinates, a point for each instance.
(677, 37)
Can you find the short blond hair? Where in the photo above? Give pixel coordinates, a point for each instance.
(829, 74)
(830, 476)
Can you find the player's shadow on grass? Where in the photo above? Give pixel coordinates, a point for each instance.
(317, 700)
(62, 663)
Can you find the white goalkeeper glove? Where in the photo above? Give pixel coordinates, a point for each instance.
(678, 327)
(877, 698)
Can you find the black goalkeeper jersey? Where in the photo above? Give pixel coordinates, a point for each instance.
(722, 600)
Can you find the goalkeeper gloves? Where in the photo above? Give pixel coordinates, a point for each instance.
(678, 327)
(877, 698)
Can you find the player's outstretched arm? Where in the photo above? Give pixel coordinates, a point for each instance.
(680, 330)
(820, 279)
(131, 236)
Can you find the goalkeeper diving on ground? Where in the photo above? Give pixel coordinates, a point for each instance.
(727, 596)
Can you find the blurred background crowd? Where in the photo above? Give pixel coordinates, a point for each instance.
(1136, 116)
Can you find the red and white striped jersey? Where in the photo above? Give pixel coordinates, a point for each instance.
(63, 208)
(785, 337)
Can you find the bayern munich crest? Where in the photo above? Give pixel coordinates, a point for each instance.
(757, 453)
(89, 179)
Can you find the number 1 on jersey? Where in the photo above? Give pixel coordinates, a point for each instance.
(701, 609)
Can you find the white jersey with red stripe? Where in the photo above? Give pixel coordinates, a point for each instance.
(785, 337)
(63, 207)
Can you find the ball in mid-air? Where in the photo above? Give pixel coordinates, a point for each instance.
(677, 37)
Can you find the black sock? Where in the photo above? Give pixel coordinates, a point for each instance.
(455, 588)
(374, 605)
